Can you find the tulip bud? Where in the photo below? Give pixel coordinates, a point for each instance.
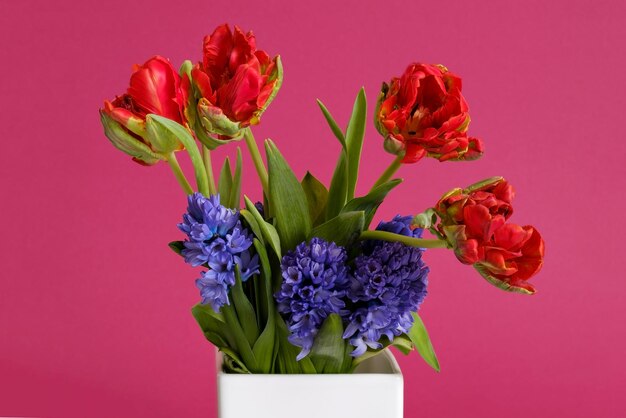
(126, 142)
(161, 139)
(154, 89)
(216, 122)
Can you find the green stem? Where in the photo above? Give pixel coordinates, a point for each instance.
(413, 242)
(178, 173)
(243, 347)
(257, 159)
(196, 160)
(390, 171)
(208, 165)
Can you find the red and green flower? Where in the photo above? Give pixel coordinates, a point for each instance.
(232, 86)
(423, 114)
(474, 221)
(154, 89)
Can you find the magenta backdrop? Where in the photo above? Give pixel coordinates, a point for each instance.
(94, 308)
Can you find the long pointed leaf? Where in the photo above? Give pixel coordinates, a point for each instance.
(343, 229)
(245, 310)
(241, 342)
(338, 191)
(289, 203)
(235, 191)
(287, 353)
(225, 183)
(354, 140)
(370, 202)
(252, 223)
(420, 338)
(270, 235)
(328, 351)
(212, 323)
(317, 197)
(264, 347)
(333, 125)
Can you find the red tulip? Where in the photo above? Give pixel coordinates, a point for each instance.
(423, 113)
(231, 87)
(154, 89)
(474, 221)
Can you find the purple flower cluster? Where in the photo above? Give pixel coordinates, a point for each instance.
(375, 297)
(315, 279)
(218, 241)
(388, 282)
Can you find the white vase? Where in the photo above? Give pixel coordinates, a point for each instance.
(375, 390)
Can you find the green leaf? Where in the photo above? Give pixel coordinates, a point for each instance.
(286, 362)
(235, 191)
(244, 309)
(316, 196)
(241, 342)
(343, 229)
(329, 347)
(420, 338)
(176, 246)
(225, 183)
(337, 194)
(333, 125)
(270, 235)
(402, 343)
(233, 363)
(289, 203)
(182, 134)
(212, 324)
(252, 224)
(215, 339)
(264, 347)
(370, 202)
(354, 140)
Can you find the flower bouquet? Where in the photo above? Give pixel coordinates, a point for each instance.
(300, 282)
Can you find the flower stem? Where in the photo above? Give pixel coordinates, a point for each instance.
(413, 242)
(178, 173)
(208, 165)
(390, 171)
(257, 159)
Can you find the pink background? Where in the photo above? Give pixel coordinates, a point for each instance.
(94, 308)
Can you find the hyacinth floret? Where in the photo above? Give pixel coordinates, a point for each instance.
(387, 284)
(315, 279)
(218, 240)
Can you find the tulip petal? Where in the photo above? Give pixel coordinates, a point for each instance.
(511, 237)
(243, 50)
(217, 48)
(238, 98)
(154, 87)
(531, 261)
(477, 219)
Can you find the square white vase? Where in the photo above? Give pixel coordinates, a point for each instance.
(374, 390)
